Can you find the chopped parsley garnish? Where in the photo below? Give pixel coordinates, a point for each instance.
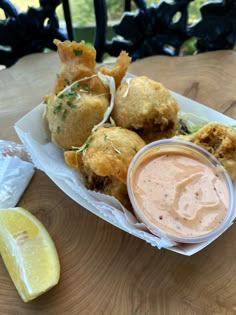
(57, 108)
(86, 88)
(61, 95)
(64, 115)
(67, 81)
(78, 52)
(76, 85)
(58, 129)
(71, 105)
(71, 94)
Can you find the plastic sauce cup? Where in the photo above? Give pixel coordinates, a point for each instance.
(191, 213)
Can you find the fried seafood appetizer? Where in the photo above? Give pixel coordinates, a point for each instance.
(146, 107)
(79, 61)
(220, 140)
(105, 160)
(72, 114)
(81, 95)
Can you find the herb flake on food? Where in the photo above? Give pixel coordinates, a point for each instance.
(64, 114)
(57, 108)
(78, 52)
(58, 129)
(71, 105)
(67, 81)
(86, 88)
(76, 85)
(61, 95)
(71, 94)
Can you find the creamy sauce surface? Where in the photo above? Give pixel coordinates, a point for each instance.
(180, 195)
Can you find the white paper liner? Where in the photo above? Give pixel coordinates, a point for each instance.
(47, 157)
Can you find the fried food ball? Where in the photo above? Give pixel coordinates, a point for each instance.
(104, 162)
(146, 106)
(71, 115)
(220, 140)
(78, 61)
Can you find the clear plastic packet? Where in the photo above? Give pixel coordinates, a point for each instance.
(10, 148)
(16, 171)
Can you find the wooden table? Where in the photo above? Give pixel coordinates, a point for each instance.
(103, 269)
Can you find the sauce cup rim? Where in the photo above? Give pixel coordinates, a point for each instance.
(231, 211)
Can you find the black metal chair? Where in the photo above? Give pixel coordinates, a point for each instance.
(31, 31)
(154, 29)
(157, 29)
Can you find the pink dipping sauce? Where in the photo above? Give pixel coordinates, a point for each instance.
(180, 193)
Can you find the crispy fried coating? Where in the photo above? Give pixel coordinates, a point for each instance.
(72, 115)
(77, 61)
(119, 69)
(71, 119)
(220, 140)
(104, 164)
(146, 106)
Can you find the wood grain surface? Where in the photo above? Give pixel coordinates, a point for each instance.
(103, 269)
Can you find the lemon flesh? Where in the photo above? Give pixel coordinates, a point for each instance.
(28, 252)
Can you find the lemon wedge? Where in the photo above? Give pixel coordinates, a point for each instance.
(28, 252)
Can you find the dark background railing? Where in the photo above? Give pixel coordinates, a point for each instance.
(154, 29)
(161, 28)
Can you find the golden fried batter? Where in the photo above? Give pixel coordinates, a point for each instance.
(71, 115)
(119, 69)
(104, 163)
(220, 140)
(146, 106)
(77, 61)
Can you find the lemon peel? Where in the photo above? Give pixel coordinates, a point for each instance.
(28, 252)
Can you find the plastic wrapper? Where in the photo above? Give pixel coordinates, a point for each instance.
(16, 171)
